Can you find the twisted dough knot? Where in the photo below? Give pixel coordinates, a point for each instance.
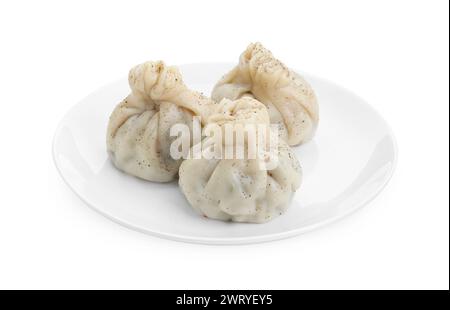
(157, 82)
(244, 110)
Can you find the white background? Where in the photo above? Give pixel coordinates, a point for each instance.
(392, 53)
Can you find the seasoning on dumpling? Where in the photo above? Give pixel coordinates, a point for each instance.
(241, 190)
(138, 137)
(290, 100)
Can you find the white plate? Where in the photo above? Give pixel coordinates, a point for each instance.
(347, 164)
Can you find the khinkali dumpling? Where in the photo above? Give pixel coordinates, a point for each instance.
(290, 100)
(138, 137)
(241, 190)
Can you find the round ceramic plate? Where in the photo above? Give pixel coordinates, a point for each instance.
(349, 161)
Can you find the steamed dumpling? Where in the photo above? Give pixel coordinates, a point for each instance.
(290, 100)
(138, 138)
(241, 190)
